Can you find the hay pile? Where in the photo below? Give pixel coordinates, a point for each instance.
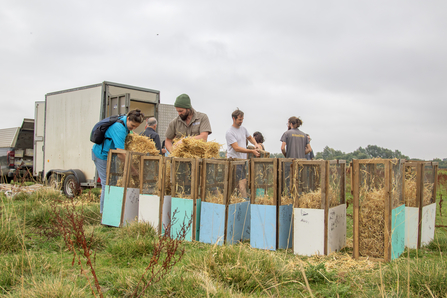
(234, 199)
(312, 200)
(215, 197)
(190, 148)
(265, 200)
(411, 189)
(286, 200)
(141, 144)
(372, 224)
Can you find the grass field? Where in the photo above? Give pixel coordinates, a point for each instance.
(35, 260)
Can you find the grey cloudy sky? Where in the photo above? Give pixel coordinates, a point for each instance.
(356, 72)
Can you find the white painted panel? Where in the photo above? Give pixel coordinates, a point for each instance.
(336, 228)
(428, 224)
(69, 119)
(131, 205)
(411, 227)
(308, 231)
(166, 213)
(149, 209)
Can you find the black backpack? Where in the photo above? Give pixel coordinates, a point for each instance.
(99, 130)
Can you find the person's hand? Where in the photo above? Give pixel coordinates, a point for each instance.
(259, 146)
(256, 153)
(177, 143)
(163, 150)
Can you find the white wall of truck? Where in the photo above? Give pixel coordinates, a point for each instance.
(65, 120)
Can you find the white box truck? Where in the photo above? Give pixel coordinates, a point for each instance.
(64, 121)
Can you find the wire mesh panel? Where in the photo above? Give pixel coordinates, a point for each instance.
(151, 191)
(320, 208)
(213, 206)
(184, 191)
(285, 203)
(121, 196)
(427, 210)
(379, 210)
(335, 214)
(420, 207)
(238, 198)
(263, 203)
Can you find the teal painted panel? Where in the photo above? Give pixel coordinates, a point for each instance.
(183, 209)
(198, 210)
(263, 223)
(238, 223)
(260, 192)
(285, 229)
(212, 227)
(113, 206)
(397, 231)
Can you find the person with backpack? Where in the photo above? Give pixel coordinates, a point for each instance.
(111, 133)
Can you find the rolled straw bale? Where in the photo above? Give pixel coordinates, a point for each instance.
(372, 224)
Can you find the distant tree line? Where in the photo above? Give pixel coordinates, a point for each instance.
(369, 152)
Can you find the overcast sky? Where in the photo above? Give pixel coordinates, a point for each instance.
(357, 73)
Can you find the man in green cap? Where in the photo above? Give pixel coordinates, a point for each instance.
(189, 122)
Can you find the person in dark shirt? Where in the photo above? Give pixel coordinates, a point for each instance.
(151, 126)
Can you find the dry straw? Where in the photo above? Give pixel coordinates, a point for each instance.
(264, 200)
(190, 147)
(411, 190)
(372, 223)
(141, 144)
(312, 199)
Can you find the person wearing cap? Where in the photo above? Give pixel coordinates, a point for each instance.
(188, 123)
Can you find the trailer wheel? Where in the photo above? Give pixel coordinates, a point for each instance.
(54, 182)
(71, 186)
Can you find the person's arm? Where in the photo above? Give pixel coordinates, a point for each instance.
(253, 141)
(168, 144)
(237, 148)
(283, 148)
(202, 136)
(308, 148)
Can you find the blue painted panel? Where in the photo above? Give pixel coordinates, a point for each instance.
(183, 209)
(238, 224)
(198, 208)
(397, 231)
(263, 221)
(113, 206)
(212, 223)
(285, 229)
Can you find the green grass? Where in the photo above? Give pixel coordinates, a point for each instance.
(35, 261)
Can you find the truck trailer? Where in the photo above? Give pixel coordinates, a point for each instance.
(16, 150)
(64, 121)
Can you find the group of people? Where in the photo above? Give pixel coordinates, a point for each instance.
(189, 122)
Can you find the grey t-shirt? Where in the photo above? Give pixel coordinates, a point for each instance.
(296, 142)
(240, 136)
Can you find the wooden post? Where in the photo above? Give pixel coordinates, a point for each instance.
(356, 199)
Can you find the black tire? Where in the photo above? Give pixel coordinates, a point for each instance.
(54, 182)
(71, 186)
